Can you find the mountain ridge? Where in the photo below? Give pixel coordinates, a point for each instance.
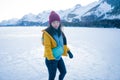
(103, 10)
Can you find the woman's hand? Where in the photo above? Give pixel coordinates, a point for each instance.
(70, 54)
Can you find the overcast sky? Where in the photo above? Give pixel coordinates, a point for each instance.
(18, 8)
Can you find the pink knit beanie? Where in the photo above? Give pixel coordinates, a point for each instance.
(53, 17)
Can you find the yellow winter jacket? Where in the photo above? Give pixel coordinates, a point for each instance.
(50, 43)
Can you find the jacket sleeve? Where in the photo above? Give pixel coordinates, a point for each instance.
(66, 49)
(47, 47)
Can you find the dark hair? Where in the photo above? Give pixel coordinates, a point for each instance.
(59, 30)
(52, 30)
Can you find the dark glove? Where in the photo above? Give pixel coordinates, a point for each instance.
(70, 54)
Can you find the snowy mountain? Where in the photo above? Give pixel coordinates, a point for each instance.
(13, 21)
(106, 9)
(97, 12)
(30, 17)
(77, 12)
(69, 15)
(105, 12)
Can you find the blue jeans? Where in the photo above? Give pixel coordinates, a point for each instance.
(53, 65)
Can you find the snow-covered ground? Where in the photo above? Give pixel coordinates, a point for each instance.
(96, 54)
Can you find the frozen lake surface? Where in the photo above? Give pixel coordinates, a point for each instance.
(96, 54)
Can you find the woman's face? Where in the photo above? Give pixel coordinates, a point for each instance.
(55, 24)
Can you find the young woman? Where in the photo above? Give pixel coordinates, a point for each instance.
(55, 46)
